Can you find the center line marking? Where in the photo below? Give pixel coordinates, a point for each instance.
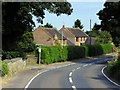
(78, 68)
(73, 70)
(70, 80)
(85, 65)
(70, 74)
(74, 87)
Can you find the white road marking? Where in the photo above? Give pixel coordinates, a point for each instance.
(78, 68)
(73, 70)
(85, 65)
(90, 64)
(34, 78)
(70, 79)
(74, 88)
(70, 74)
(44, 72)
(109, 78)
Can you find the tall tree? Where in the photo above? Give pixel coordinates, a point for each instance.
(96, 27)
(17, 18)
(77, 23)
(110, 20)
(48, 25)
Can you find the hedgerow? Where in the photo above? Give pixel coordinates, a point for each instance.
(52, 54)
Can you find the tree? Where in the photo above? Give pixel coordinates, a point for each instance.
(96, 27)
(17, 18)
(48, 25)
(26, 43)
(77, 23)
(102, 37)
(110, 20)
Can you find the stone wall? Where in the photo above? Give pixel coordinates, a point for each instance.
(15, 65)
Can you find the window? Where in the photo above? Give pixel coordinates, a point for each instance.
(77, 39)
(81, 38)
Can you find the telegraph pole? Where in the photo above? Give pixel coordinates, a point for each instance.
(90, 30)
(62, 34)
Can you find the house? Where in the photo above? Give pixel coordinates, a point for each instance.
(75, 35)
(48, 36)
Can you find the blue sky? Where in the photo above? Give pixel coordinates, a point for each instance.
(81, 10)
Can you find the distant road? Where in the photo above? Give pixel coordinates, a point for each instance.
(77, 76)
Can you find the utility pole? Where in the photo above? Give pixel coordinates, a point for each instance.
(90, 30)
(62, 34)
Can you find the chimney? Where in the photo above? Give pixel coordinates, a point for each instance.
(63, 26)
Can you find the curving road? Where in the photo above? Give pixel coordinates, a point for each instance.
(77, 76)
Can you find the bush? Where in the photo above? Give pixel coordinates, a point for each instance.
(114, 68)
(12, 54)
(4, 68)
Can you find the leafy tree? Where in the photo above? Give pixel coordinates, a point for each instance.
(96, 27)
(17, 18)
(102, 37)
(110, 20)
(48, 25)
(77, 23)
(26, 43)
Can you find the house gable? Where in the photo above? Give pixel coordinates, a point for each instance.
(41, 37)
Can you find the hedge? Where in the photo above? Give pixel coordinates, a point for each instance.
(52, 54)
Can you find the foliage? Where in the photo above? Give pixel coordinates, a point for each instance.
(4, 68)
(77, 23)
(17, 18)
(48, 25)
(96, 27)
(26, 43)
(75, 52)
(110, 20)
(114, 68)
(52, 54)
(102, 37)
(12, 54)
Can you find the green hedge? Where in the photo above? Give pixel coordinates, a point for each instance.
(52, 54)
(3, 68)
(75, 52)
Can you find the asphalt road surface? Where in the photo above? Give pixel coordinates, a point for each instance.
(78, 76)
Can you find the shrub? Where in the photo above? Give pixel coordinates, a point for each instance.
(4, 68)
(12, 54)
(114, 67)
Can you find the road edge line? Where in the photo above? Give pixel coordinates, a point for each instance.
(108, 77)
(33, 79)
(26, 86)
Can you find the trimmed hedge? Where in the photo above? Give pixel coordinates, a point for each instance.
(52, 54)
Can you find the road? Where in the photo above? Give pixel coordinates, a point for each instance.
(77, 76)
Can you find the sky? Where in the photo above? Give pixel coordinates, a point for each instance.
(84, 11)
